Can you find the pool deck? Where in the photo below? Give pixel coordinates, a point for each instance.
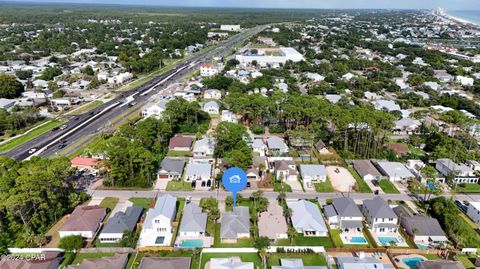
(207, 241)
(400, 258)
(401, 241)
(346, 237)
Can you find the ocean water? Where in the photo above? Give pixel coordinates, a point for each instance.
(468, 15)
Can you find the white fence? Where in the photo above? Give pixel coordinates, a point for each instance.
(33, 250)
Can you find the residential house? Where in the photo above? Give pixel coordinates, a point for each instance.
(461, 173)
(366, 170)
(473, 211)
(386, 105)
(198, 171)
(439, 264)
(344, 214)
(256, 170)
(212, 94)
(307, 218)
(229, 116)
(360, 262)
(395, 171)
(85, 163)
(333, 98)
(272, 223)
(84, 221)
(180, 143)
(295, 264)
(379, 216)
(235, 225)
(465, 81)
(154, 109)
(117, 261)
(277, 146)
(230, 27)
(171, 169)
(204, 147)
(286, 170)
(321, 147)
(157, 228)
(164, 263)
(443, 76)
(314, 77)
(406, 126)
(313, 173)
(113, 230)
(230, 263)
(421, 229)
(259, 147)
(208, 70)
(194, 222)
(211, 107)
(6, 103)
(45, 260)
(399, 149)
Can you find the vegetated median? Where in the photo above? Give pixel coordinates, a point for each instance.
(35, 132)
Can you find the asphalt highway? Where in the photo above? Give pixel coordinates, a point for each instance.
(100, 118)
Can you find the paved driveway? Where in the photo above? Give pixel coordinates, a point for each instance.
(161, 184)
(342, 181)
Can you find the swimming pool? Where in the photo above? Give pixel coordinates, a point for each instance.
(421, 246)
(386, 240)
(412, 262)
(358, 240)
(191, 244)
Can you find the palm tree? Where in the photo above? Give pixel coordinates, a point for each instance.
(281, 197)
(255, 196)
(292, 233)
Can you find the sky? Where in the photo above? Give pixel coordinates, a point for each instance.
(397, 4)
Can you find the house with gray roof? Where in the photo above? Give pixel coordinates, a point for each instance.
(387, 105)
(307, 218)
(286, 170)
(113, 230)
(295, 264)
(344, 214)
(171, 169)
(313, 173)
(362, 262)
(461, 173)
(164, 263)
(379, 216)
(235, 225)
(395, 171)
(276, 146)
(406, 126)
(211, 108)
(6, 103)
(194, 222)
(117, 261)
(157, 227)
(366, 170)
(421, 229)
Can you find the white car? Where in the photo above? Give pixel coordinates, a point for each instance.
(31, 151)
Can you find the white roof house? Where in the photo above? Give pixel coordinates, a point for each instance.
(198, 171)
(315, 77)
(212, 94)
(211, 107)
(295, 264)
(230, 263)
(204, 147)
(465, 81)
(6, 103)
(350, 262)
(229, 116)
(387, 105)
(307, 218)
(154, 109)
(395, 171)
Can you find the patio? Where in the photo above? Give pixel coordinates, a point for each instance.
(389, 239)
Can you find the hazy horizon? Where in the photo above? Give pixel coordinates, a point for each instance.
(301, 4)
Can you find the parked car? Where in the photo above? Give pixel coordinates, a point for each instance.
(32, 150)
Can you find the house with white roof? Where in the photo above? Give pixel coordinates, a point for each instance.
(461, 173)
(295, 264)
(198, 171)
(154, 109)
(212, 94)
(387, 105)
(307, 219)
(204, 147)
(361, 262)
(259, 147)
(157, 227)
(395, 171)
(313, 173)
(406, 125)
(230, 263)
(211, 107)
(464, 81)
(315, 77)
(229, 116)
(208, 70)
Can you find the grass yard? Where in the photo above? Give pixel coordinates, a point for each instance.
(468, 188)
(468, 221)
(245, 257)
(143, 202)
(179, 186)
(281, 187)
(109, 202)
(33, 133)
(466, 260)
(308, 259)
(99, 244)
(361, 184)
(324, 186)
(324, 241)
(86, 107)
(82, 256)
(387, 186)
(337, 241)
(176, 153)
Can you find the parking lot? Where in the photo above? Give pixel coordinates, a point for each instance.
(341, 178)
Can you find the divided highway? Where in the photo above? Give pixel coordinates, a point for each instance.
(90, 123)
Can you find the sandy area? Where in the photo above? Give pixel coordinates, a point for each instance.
(342, 181)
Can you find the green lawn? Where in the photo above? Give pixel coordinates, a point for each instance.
(468, 221)
(163, 254)
(337, 241)
(468, 188)
(87, 107)
(31, 135)
(175, 153)
(387, 186)
(308, 259)
(324, 241)
(361, 184)
(245, 257)
(324, 186)
(99, 244)
(109, 202)
(81, 256)
(143, 202)
(179, 186)
(281, 187)
(466, 260)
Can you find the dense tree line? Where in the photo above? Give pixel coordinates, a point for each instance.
(14, 121)
(232, 145)
(34, 195)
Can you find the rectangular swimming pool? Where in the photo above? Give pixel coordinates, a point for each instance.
(191, 244)
(386, 240)
(358, 240)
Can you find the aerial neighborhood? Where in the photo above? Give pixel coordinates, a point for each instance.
(357, 131)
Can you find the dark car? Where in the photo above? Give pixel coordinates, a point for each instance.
(375, 183)
(194, 184)
(203, 183)
(61, 146)
(248, 184)
(55, 129)
(209, 183)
